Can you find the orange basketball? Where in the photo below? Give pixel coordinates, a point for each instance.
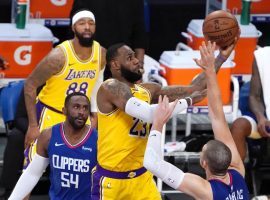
(220, 27)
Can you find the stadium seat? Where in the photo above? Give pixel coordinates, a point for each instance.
(258, 150)
(9, 100)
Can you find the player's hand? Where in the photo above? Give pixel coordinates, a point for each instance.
(264, 127)
(198, 96)
(31, 134)
(163, 112)
(226, 52)
(207, 61)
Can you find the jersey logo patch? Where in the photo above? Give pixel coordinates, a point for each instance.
(86, 148)
(59, 144)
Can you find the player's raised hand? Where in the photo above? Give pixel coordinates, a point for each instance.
(207, 61)
(163, 112)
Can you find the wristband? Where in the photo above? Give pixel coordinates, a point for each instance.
(190, 101)
(221, 58)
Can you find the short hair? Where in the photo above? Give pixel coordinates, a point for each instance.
(68, 97)
(112, 52)
(218, 157)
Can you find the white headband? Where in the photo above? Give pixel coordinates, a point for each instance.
(82, 14)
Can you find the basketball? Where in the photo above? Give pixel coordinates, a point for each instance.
(220, 27)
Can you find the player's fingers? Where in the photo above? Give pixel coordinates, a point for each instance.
(213, 47)
(202, 52)
(159, 99)
(204, 48)
(166, 102)
(209, 46)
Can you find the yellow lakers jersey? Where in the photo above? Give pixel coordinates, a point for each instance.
(76, 76)
(121, 138)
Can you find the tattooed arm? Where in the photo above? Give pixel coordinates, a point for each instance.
(198, 84)
(50, 65)
(113, 94)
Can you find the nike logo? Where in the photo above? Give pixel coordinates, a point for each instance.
(59, 144)
(153, 135)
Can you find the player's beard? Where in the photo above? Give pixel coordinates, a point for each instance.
(85, 42)
(130, 76)
(72, 121)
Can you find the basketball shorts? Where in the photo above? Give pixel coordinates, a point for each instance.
(136, 185)
(46, 118)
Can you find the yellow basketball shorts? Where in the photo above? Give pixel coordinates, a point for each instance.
(136, 185)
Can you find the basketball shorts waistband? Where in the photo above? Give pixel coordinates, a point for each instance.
(40, 103)
(120, 175)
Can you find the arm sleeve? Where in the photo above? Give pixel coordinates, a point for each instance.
(95, 89)
(144, 111)
(153, 162)
(29, 178)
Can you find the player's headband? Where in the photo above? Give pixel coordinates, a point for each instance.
(82, 14)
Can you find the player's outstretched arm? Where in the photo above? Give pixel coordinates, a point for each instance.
(34, 171)
(114, 94)
(188, 183)
(198, 84)
(219, 124)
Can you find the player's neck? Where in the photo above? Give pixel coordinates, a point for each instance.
(75, 135)
(224, 178)
(84, 53)
(123, 80)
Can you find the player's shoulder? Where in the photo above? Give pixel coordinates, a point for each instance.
(56, 56)
(112, 83)
(46, 132)
(45, 137)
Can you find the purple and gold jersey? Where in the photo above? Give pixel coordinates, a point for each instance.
(76, 75)
(122, 138)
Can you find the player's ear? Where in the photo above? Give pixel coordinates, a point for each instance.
(115, 64)
(73, 29)
(64, 110)
(204, 163)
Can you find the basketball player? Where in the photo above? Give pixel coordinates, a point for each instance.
(73, 66)
(70, 149)
(255, 122)
(222, 163)
(123, 121)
